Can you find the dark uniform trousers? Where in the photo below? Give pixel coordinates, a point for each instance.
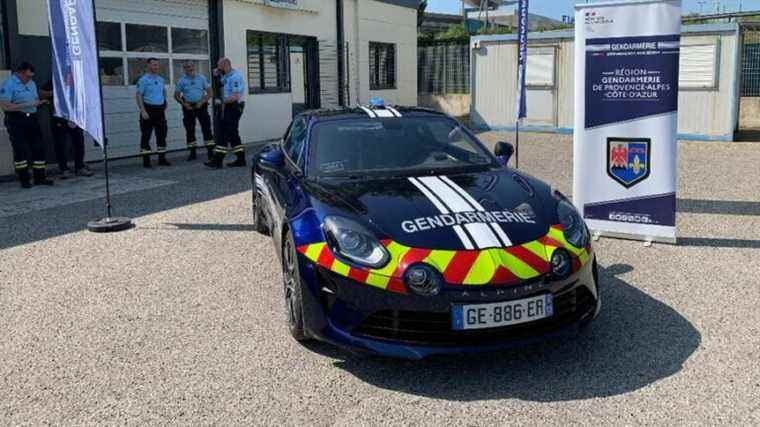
(156, 121)
(189, 118)
(26, 140)
(230, 130)
(61, 131)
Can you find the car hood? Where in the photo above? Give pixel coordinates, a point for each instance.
(499, 208)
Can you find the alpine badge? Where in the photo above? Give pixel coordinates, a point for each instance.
(628, 160)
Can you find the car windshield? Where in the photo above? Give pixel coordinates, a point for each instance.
(392, 145)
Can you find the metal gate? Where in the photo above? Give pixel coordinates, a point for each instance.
(749, 102)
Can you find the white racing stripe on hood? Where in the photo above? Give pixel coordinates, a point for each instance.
(383, 113)
(505, 240)
(463, 237)
(394, 111)
(369, 112)
(458, 200)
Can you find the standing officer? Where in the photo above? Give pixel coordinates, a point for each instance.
(193, 91)
(62, 130)
(151, 98)
(19, 99)
(233, 105)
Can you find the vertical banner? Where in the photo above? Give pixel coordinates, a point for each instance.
(76, 83)
(626, 117)
(522, 57)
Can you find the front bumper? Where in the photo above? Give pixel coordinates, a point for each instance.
(350, 314)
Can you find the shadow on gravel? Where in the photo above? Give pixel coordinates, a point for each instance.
(719, 207)
(718, 243)
(635, 342)
(212, 227)
(189, 184)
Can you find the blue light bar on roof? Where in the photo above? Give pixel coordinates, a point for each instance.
(376, 102)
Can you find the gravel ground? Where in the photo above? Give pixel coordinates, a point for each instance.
(180, 320)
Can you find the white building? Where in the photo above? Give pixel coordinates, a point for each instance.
(295, 54)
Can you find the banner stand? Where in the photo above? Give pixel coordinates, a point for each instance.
(626, 118)
(110, 223)
(517, 144)
(647, 240)
(522, 62)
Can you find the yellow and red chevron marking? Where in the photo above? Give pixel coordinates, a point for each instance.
(497, 266)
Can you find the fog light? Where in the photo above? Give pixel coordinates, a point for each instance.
(562, 264)
(423, 280)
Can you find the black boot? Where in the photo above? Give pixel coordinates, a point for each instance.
(162, 160)
(210, 153)
(146, 161)
(215, 161)
(239, 161)
(40, 177)
(193, 154)
(24, 178)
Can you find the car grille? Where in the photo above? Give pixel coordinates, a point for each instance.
(428, 328)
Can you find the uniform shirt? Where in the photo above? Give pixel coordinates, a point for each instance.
(19, 93)
(233, 83)
(192, 88)
(151, 87)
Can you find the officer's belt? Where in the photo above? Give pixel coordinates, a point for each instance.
(18, 114)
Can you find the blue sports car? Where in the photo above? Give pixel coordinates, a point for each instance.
(400, 234)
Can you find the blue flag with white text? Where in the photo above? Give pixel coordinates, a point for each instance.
(76, 84)
(522, 59)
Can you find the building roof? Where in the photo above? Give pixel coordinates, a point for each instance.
(403, 3)
(447, 17)
(731, 27)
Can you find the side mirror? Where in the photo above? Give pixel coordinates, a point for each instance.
(272, 157)
(504, 152)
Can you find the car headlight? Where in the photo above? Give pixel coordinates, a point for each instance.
(573, 226)
(354, 242)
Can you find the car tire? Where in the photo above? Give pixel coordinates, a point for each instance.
(292, 289)
(259, 219)
(586, 323)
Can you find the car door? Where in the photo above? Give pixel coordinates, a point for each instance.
(279, 175)
(289, 187)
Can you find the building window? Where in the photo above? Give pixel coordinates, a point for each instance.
(146, 38)
(125, 48)
(268, 63)
(382, 66)
(189, 41)
(109, 36)
(112, 71)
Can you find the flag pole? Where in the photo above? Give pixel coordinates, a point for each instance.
(517, 144)
(109, 223)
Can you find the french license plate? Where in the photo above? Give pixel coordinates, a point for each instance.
(494, 315)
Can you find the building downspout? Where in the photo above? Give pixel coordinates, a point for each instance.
(216, 51)
(340, 30)
(358, 53)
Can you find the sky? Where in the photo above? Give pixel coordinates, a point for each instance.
(556, 8)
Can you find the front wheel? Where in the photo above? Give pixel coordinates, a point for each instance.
(293, 289)
(259, 219)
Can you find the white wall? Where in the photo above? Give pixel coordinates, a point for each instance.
(268, 115)
(382, 22)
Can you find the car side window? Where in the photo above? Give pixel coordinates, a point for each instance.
(295, 140)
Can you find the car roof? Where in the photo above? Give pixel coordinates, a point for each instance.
(342, 113)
